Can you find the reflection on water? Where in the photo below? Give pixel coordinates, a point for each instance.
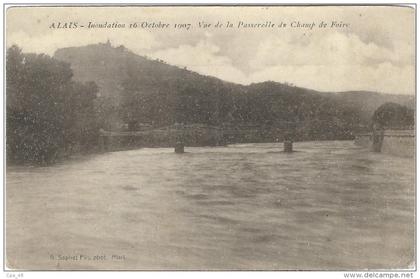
(331, 205)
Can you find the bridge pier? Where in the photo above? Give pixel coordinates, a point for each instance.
(179, 147)
(102, 144)
(288, 146)
(377, 139)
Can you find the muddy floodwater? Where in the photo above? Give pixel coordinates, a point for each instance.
(331, 205)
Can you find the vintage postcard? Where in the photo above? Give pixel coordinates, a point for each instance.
(210, 137)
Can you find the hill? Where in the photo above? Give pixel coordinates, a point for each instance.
(137, 90)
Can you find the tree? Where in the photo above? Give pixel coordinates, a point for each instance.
(392, 115)
(42, 101)
(81, 125)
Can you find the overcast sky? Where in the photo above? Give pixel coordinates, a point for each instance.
(376, 51)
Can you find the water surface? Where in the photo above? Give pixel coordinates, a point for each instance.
(332, 205)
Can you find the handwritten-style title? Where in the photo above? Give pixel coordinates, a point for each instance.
(161, 25)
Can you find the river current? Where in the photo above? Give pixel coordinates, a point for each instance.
(329, 206)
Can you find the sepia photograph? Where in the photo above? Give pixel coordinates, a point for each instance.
(209, 137)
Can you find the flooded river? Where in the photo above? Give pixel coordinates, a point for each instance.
(331, 205)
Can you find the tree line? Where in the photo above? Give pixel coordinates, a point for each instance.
(193, 99)
(48, 114)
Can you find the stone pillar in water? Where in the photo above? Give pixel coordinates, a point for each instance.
(288, 146)
(288, 140)
(179, 147)
(102, 140)
(377, 139)
(101, 143)
(179, 138)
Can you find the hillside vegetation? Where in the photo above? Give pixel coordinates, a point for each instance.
(57, 105)
(137, 89)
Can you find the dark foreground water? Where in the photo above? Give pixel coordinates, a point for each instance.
(331, 205)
